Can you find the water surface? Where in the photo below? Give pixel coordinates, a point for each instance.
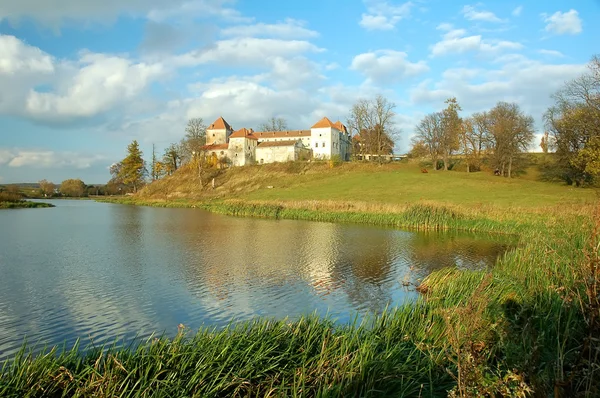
(100, 271)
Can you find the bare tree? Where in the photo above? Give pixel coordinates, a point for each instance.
(194, 140)
(511, 132)
(373, 121)
(474, 139)
(429, 131)
(274, 124)
(172, 158)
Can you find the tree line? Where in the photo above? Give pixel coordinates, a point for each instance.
(499, 136)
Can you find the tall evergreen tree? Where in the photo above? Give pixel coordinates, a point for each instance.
(133, 170)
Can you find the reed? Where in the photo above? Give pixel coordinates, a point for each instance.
(23, 204)
(380, 356)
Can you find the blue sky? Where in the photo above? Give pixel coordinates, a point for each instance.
(80, 79)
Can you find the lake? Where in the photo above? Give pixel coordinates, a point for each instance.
(100, 271)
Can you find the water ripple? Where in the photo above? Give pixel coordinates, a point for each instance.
(128, 272)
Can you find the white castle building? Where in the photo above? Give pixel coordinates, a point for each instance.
(324, 140)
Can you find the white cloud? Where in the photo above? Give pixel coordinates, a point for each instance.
(517, 11)
(383, 15)
(99, 82)
(246, 51)
(289, 29)
(387, 66)
(190, 9)
(38, 86)
(44, 159)
(48, 13)
(551, 53)
(455, 42)
(527, 82)
(562, 23)
(5, 156)
(16, 56)
(445, 26)
(297, 72)
(472, 14)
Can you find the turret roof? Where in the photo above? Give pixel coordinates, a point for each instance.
(219, 124)
(323, 123)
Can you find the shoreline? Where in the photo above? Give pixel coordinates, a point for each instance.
(417, 216)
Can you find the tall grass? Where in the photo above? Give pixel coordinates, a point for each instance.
(388, 356)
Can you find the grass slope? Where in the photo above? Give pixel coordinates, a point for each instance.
(356, 182)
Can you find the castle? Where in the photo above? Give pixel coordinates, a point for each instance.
(324, 140)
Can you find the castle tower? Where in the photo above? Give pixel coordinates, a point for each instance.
(218, 132)
(325, 139)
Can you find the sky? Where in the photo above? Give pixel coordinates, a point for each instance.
(81, 79)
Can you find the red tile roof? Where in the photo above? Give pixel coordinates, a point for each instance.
(219, 124)
(323, 123)
(277, 143)
(215, 147)
(340, 126)
(244, 133)
(281, 134)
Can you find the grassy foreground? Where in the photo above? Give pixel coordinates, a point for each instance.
(528, 327)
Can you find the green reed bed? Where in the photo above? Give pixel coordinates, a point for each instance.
(387, 356)
(23, 204)
(416, 217)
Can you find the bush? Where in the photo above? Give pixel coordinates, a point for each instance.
(10, 197)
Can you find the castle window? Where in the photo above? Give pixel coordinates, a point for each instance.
(323, 145)
(316, 144)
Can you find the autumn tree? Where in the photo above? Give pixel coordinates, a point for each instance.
(510, 132)
(429, 131)
(544, 142)
(574, 125)
(451, 129)
(172, 158)
(72, 187)
(157, 167)
(474, 138)
(133, 169)
(194, 139)
(274, 124)
(418, 149)
(47, 187)
(373, 121)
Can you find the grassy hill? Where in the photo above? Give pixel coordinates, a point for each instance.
(395, 184)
